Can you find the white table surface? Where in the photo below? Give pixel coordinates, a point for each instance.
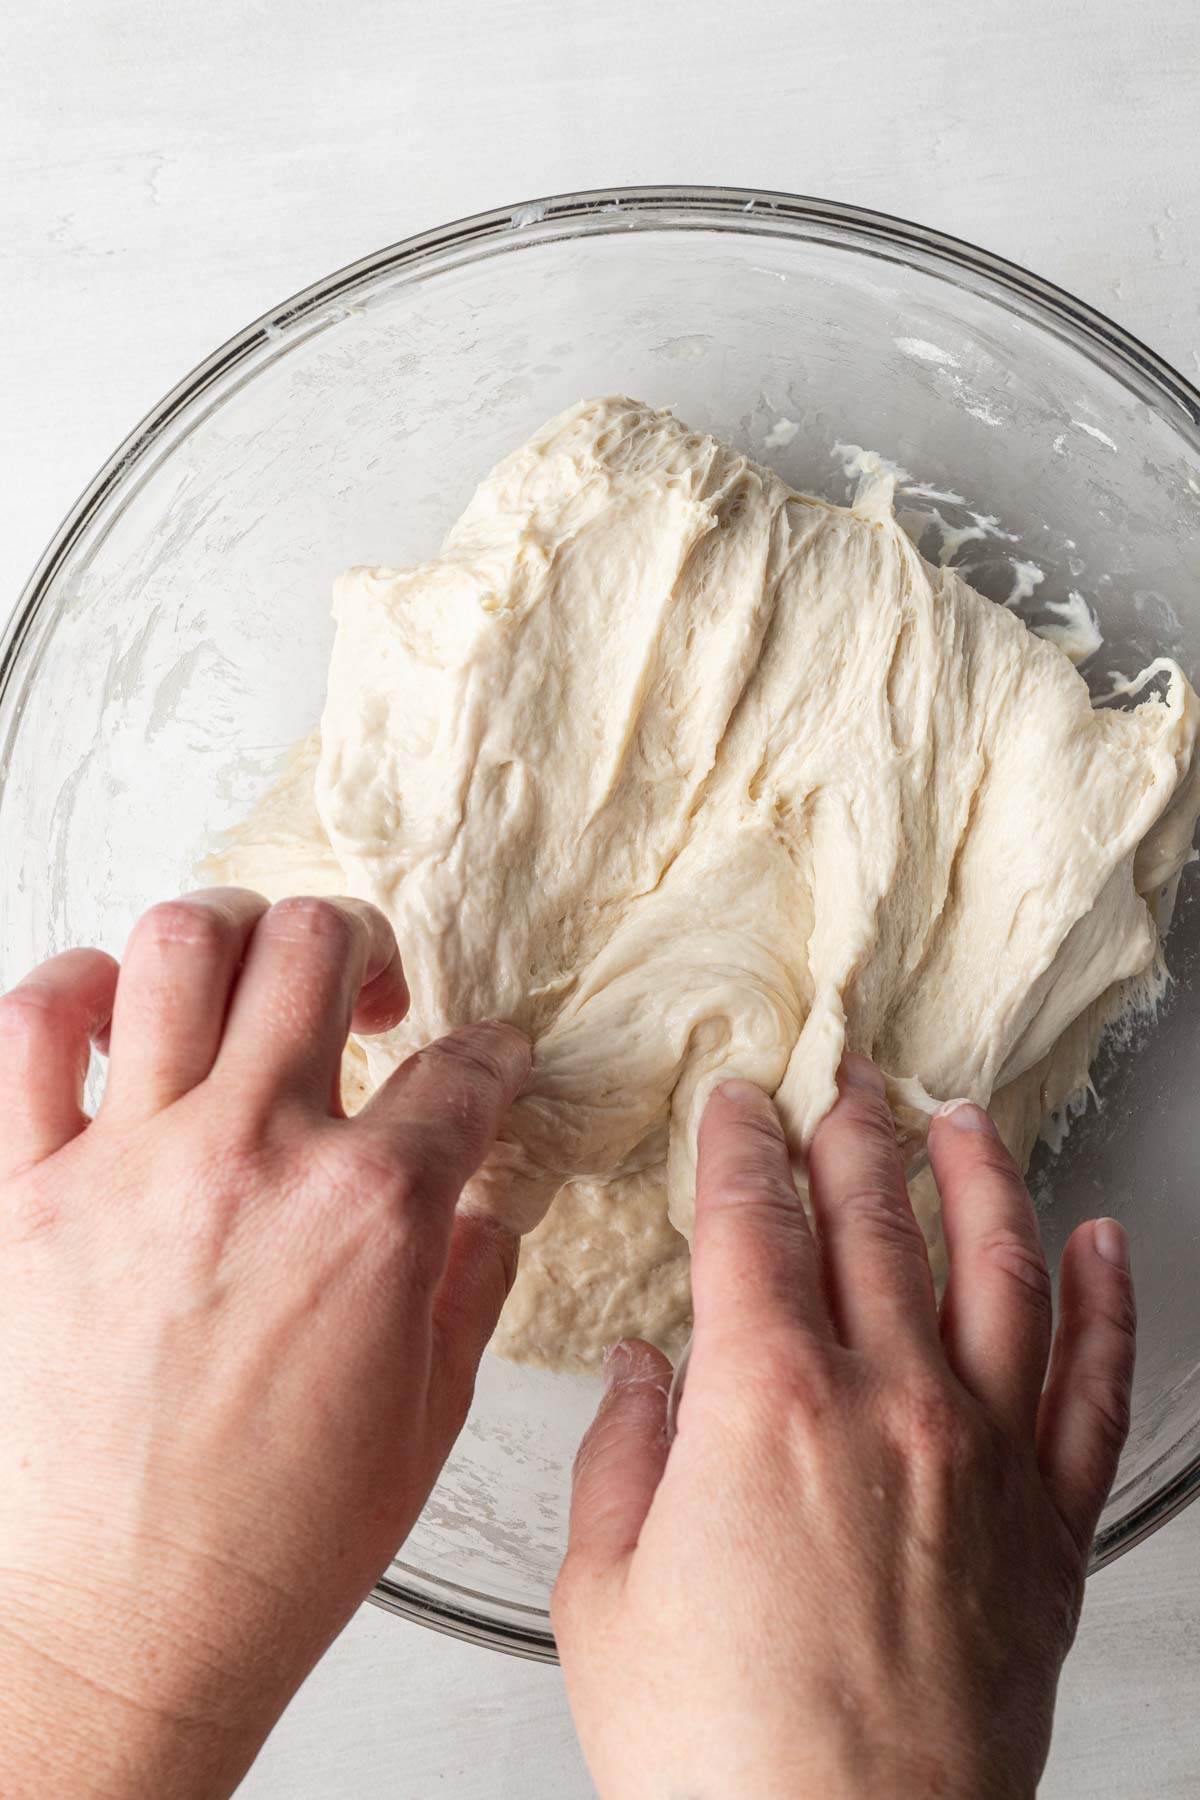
(171, 170)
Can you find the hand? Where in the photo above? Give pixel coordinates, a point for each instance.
(858, 1568)
(239, 1331)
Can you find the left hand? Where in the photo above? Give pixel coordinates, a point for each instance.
(238, 1331)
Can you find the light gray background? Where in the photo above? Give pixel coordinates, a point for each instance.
(171, 170)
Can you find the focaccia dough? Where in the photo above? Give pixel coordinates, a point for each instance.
(604, 1263)
(691, 776)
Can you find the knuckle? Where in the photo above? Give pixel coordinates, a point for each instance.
(33, 1012)
(181, 924)
(1121, 1315)
(883, 1210)
(1108, 1403)
(929, 1424)
(31, 1209)
(229, 1164)
(381, 1202)
(1021, 1259)
(352, 1166)
(773, 1373)
(1115, 1315)
(758, 1197)
(762, 1131)
(474, 1052)
(760, 1244)
(801, 1377)
(305, 918)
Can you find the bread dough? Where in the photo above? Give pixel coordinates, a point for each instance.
(691, 776)
(604, 1263)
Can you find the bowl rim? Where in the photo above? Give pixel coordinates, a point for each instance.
(744, 211)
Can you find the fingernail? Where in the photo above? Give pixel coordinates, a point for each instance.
(742, 1093)
(964, 1115)
(617, 1358)
(860, 1072)
(1112, 1243)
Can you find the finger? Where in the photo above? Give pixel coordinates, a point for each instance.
(996, 1310)
(1084, 1417)
(622, 1457)
(47, 1024)
(754, 1262)
(177, 974)
(314, 968)
(479, 1273)
(437, 1117)
(872, 1249)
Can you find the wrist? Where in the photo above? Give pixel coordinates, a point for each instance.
(62, 1734)
(115, 1709)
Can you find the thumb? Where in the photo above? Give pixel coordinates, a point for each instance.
(621, 1460)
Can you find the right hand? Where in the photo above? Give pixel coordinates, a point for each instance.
(857, 1569)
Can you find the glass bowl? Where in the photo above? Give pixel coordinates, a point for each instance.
(173, 642)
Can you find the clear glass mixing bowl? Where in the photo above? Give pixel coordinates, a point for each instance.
(173, 642)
